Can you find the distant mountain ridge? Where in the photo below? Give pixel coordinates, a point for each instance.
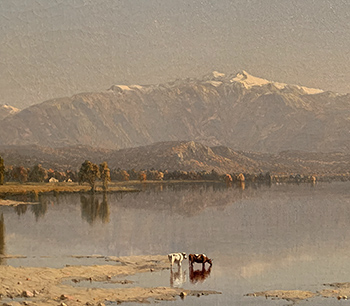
(179, 155)
(239, 111)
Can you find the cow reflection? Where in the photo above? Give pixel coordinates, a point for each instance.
(199, 276)
(177, 279)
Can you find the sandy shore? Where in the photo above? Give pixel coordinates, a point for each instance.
(47, 286)
(340, 291)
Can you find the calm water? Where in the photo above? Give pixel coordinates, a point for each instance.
(261, 238)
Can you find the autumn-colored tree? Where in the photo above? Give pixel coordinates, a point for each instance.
(228, 179)
(240, 177)
(125, 175)
(105, 174)
(20, 174)
(2, 171)
(159, 176)
(142, 176)
(37, 174)
(89, 173)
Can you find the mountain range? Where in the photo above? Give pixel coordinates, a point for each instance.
(238, 111)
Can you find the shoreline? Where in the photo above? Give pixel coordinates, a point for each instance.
(49, 286)
(34, 190)
(339, 291)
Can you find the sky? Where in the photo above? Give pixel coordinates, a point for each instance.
(56, 48)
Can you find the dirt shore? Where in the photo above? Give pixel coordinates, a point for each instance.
(340, 291)
(47, 286)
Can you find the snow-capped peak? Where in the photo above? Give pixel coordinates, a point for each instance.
(249, 81)
(217, 74)
(10, 109)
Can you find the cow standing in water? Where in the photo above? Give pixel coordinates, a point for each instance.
(199, 258)
(176, 257)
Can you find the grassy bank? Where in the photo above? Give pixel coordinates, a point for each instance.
(55, 188)
(35, 189)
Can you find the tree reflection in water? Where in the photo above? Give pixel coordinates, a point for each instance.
(92, 209)
(2, 239)
(39, 210)
(21, 209)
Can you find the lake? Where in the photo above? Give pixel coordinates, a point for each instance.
(260, 237)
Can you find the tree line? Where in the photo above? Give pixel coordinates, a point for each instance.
(88, 173)
(91, 173)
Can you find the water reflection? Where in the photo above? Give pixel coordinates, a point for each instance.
(183, 199)
(178, 278)
(39, 210)
(92, 209)
(242, 185)
(262, 236)
(199, 276)
(21, 209)
(2, 240)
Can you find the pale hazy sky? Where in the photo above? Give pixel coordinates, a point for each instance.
(54, 48)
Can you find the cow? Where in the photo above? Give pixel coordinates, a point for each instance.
(199, 258)
(176, 257)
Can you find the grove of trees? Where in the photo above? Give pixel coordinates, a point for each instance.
(91, 173)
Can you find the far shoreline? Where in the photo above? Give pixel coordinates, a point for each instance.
(34, 190)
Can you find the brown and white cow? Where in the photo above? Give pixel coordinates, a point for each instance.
(176, 257)
(199, 258)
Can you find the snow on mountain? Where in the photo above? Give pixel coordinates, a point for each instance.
(6, 110)
(239, 111)
(217, 78)
(250, 81)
